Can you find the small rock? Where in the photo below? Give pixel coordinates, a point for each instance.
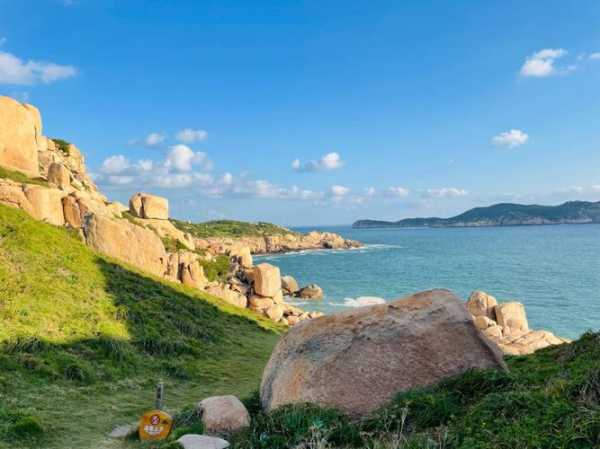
(289, 285)
(192, 441)
(223, 414)
(122, 431)
(275, 312)
(312, 291)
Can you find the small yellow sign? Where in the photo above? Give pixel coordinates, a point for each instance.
(155, 425)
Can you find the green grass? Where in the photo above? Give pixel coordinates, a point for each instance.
(230, 228)
(84, 339)
(17, 176)
(548, 400)
(62, 146)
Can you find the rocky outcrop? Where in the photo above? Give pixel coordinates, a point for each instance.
(289, 285)
(358, 360)
(223, 414)
(144, 205)
(506, 325)
(20, 136)
(278, 243)
(125, 241)
(311, 291)
(67, 196)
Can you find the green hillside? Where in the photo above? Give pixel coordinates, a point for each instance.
(503, 214)
(230, 228)
(84, 339)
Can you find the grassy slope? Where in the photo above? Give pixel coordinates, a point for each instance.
(230, 228)
(17, 176)
(84, 339)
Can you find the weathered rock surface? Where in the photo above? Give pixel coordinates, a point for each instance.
(482, 304)
(59, 176)
(506, 325)
(125, 241)
(47, 203)
(144, 205)
(221, 414)
(358, 360)
(20, 132)
(267, 279)
(228, 295)
(289, 285)
(311, 291)
(11, 194)
(193, 441)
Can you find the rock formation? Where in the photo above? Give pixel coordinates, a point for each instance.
(67, 196)
(358, 360)
(221, 414)
(311, 291)
(506, 325)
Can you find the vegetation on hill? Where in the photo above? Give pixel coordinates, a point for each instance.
(17, 176)
(548, 400)
(84, 339)
(230, 228)
(62, 145)
(505, 214)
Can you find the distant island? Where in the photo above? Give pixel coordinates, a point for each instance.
(504, 214)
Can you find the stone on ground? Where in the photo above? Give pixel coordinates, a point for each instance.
(221, 414)
(311, 291)
(193, 441)
(359, 360)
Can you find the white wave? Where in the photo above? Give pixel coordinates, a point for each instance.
(361, 301)
(325, 252)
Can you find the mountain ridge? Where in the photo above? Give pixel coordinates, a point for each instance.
(501, 214)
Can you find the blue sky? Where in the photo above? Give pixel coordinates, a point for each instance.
(317, 112)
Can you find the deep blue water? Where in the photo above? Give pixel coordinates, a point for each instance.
(553, 270)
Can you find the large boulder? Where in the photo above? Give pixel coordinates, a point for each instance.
(125, 241)
(358, 360)
(144, 205)
(289, 285)
(221, 414)
(47, 203)
(20, 132)
(267, 279)
(511, 316)
(59, 176)
(228, 295)
(482, 304)
(311, 291)
(11, 194)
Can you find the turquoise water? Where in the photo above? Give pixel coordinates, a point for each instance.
(553, 270)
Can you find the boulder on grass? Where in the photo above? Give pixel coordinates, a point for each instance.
(359, 360)
(221, 414)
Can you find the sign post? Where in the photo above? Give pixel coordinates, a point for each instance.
(156, 424)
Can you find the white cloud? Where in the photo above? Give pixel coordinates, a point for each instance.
(182, 158)
(189, 135)
(511, 139)
(154, 139)
(370, 191)
(328, 162)
(115, 164)
(16, 71)
(595, 56)
(542, 63)
(339, 191)
(446, 192)
(398, 191)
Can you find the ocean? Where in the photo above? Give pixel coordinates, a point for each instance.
(553, 270)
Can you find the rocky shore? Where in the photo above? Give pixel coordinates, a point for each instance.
(47, 178)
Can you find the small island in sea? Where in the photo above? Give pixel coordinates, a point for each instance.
(503, 214)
